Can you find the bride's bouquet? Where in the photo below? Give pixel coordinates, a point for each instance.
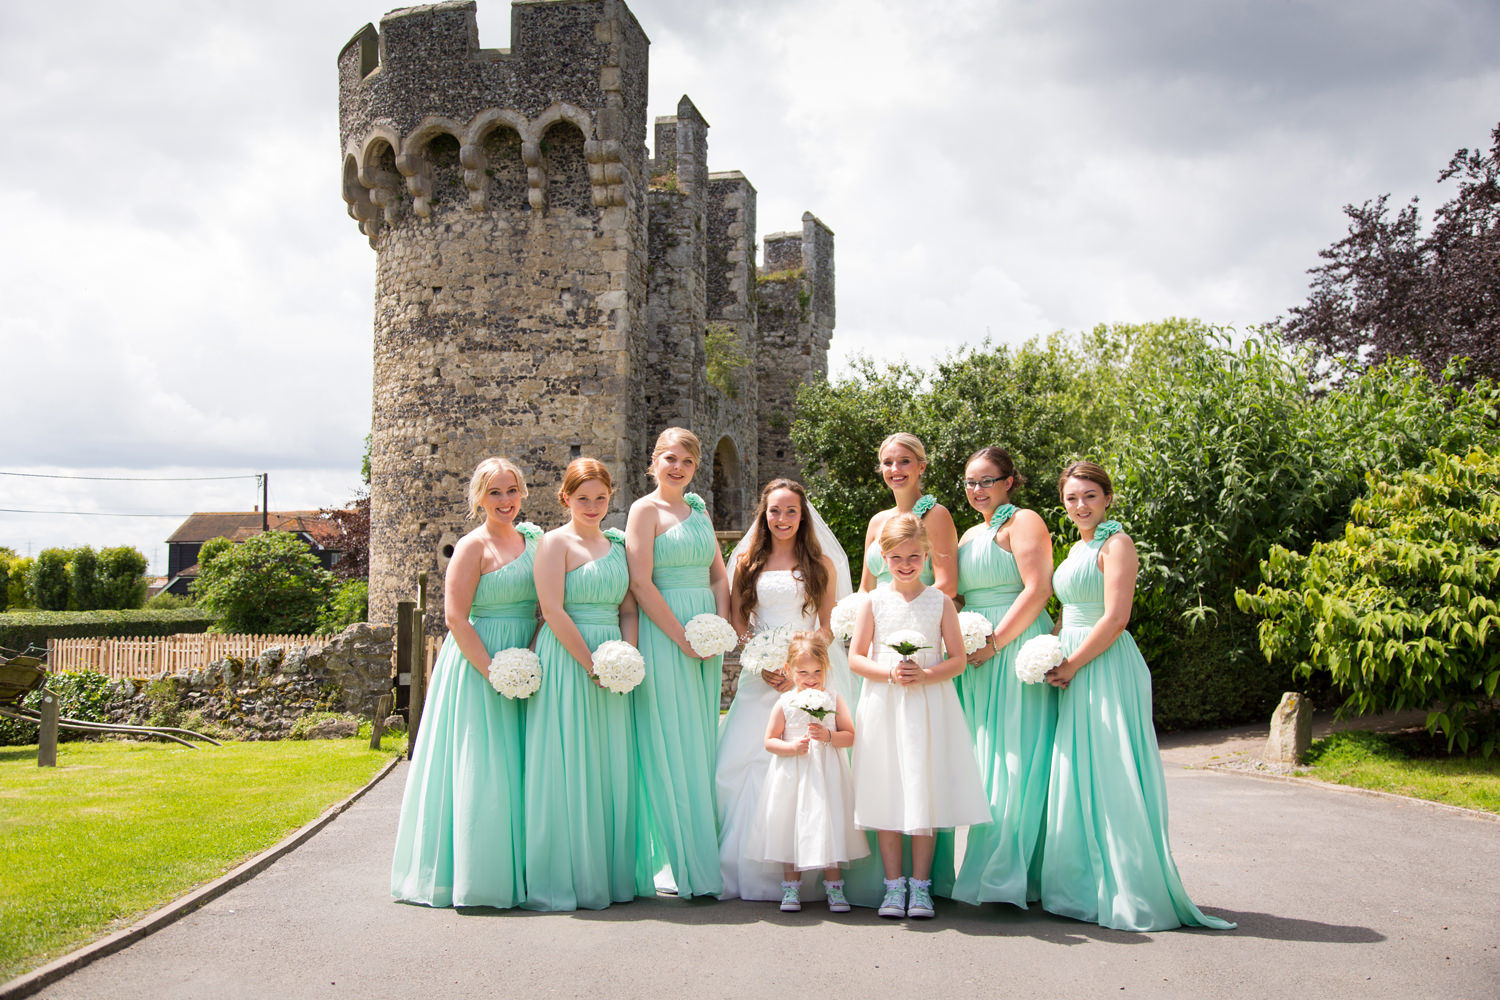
(516, 673)
(814, 702)
(841, 618)
(710, 635)
(976, 629)
(1037, 656)
(619, 666)
(906, 641)
(766, 650)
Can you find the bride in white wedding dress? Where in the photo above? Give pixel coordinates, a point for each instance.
(787, 571)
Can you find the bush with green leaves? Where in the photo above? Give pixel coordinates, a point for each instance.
(20, 629)
(350, 604)
(84, 696)
(1402, 611)
(16, 597)
(4, 583)
(269, 583)
(47, 580)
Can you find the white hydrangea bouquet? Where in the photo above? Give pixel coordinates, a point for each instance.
(1037, 656)
(619, 666)
(906, 641)
(766, 650)
(814, 702)
(516, 673)
(710, 635)
(976, 629)
(841, 618)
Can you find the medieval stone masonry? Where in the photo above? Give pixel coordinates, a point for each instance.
(545, 289)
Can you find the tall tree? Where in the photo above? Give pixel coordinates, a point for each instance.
(1387, 290)
(271, 582)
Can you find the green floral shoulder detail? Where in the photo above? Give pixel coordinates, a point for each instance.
(1107, 528)
(615, 535)
(529, 531)
(1003, 513)
(923, 505)
(695, 501)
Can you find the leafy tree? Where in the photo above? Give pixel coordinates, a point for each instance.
(4, 583)
(353, 540)
(350, 604)
(1403, 610)
(269, 583)
(17, 591)
(122, 577)
(212, 549)
(83, 580)
(47, 580)
(1387, 290)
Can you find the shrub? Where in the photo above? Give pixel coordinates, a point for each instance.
(1403, 611)
(20, 629)
(15, 591)
(271, 582)
(166, 600)
(83, 696)
(84, 592)
(122, 577)
(350, 604)
(47, 580)
(4, 583)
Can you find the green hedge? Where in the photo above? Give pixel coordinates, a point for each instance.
(19, 629)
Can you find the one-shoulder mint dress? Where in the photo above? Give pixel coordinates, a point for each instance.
(1012, 725)
(677, 713)
(585, 827)
(461, 841)
(1106, 857)
(875, 562)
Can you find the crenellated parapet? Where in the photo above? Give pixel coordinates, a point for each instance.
(423, 76)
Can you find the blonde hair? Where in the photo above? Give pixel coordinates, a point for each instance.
(580, 471)
(900, 529)
(1091, 471)
(910, 442)
(483, 473)
(679, 437)
(810, 644)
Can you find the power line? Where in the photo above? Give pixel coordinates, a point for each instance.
(85, 513)
(136, 479)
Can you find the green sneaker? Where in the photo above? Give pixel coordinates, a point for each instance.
(920, 904)
(894, 903)
(791, 897)
(837, 903)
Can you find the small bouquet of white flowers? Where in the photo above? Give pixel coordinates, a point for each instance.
(841, 618)
(766, 650)
(906, 641)
(710, 635)
(619, 666)
(814, 702)
(976, 629)
(1037, 656)
(516, 673)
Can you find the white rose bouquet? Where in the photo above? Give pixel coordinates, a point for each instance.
(516, 673)
(766, 650)
(814, 702)
(710, 635)
(976, 629)
(841, 618)
(619, 666)
(906, 641)
(1037, 656)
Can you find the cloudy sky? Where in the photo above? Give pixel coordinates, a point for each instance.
(182, 294)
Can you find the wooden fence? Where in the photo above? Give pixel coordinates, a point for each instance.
(148, 658)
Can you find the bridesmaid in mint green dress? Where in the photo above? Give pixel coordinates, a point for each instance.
(1005, 574)
(460, 841)
(585, 848)
(677, 573)
(1106, 857)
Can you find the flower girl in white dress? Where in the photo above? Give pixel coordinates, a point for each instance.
(914, 769)
(805, 818)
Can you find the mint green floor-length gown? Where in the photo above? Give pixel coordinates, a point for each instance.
(1012, 725)
(1106, 857)
(677, 713)
(585, 846)
(460, 841)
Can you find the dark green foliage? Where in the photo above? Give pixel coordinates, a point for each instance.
(19, 629)
(4, 583)
(167, 599)
(1402, 611)
(47, 580)
(83, 580)
(269, 583)
(82, 696)
(122, 577)
(212, 549)
(350, 604)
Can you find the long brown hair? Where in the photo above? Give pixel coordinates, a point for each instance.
(752, 561)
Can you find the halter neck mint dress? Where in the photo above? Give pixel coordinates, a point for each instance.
(587, 846)
(1106, 856)
(460, 841)
(1012, 725)
(677, 713)
(875, 562)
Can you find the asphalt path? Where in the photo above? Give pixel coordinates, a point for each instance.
(1337, 894)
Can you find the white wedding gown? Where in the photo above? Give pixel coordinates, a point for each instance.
(743, 757)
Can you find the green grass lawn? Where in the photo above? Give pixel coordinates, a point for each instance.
(1407, 764)
(117, 828)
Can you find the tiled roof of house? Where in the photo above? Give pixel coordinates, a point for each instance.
(240, 525)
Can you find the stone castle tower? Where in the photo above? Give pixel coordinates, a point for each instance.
(544, 289)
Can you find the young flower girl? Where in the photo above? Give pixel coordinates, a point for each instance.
(805, 818)
(914, 771)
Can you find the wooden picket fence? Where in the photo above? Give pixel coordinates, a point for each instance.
(148, 658)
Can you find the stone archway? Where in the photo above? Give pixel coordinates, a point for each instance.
(728, 490)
